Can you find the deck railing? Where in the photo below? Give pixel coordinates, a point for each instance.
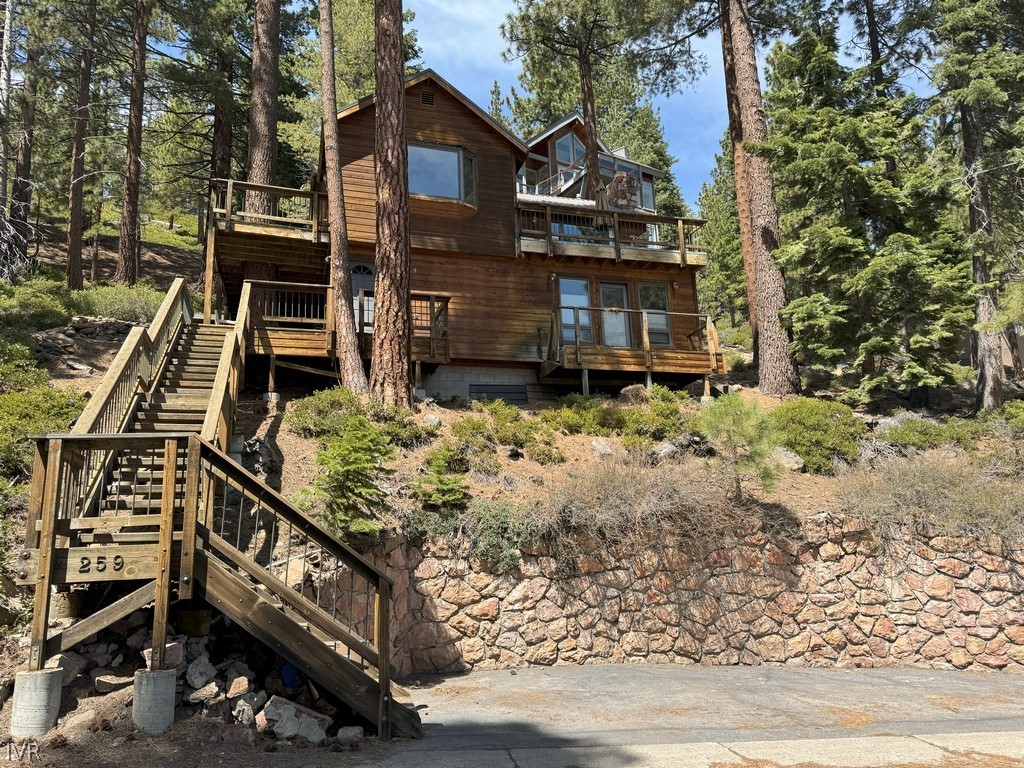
(618, 230)
(428, 314)
(576, 328)
(615, 229)
(240, 201)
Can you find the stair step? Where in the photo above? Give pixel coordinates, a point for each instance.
(166, 426)
(196, 390)
(167, 415)
(137, 505)
(182, 405)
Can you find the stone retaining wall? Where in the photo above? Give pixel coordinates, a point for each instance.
(833, 597)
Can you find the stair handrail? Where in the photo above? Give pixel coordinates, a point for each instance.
(209, 467)
(136, 365)
(219, 420)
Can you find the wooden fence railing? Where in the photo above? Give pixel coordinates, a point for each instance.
(610, 228)
(240, 201)
(576, 328)
(218, 425)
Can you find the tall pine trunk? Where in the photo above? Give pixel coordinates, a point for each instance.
(777, 372)
(1013, 342)
(262, 161)
(742, 184)
(128, 243)
(6, 53)
(346, 343)
(220, 152)
(389, 370)
(266, 51)
(590, 146)
(21, 188)
(988, 393)
(76, 188)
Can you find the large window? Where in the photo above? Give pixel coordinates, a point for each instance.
(654, 297)
(647, 195)
(444, 172)
(574, 292)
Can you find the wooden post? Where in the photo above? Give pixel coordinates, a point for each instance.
(548, 235)
(45, 562)
(576, 326)
(314, 209)
(586, 382)
(712, 335)
(190, 518)
(433, 335)
(330, 321)
(272, 381)
(210, 277)
(615, 237)
(383, 643)
(646, 337)
(35, 496)
(682, 241)
(229, 203)
(164, 554)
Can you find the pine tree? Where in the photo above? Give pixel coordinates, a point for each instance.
(881, 281)
(389, 368)
(346, 343)
(721, 285)
(80, 121)
(777, 374)
(980, 88)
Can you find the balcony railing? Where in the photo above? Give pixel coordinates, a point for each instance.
(553, 225)
(260, 204)
(298, 311)
(577, 330)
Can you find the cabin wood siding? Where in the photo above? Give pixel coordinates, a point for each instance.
(498, 306)
(488, 229)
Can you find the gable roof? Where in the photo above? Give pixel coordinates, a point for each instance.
(557, 126)
(429, 74)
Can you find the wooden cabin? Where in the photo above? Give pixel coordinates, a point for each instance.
(518, 281)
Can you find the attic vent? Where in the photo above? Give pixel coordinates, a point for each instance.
(427, 97)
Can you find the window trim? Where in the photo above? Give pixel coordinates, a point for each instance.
(461, 153)
(590, 303)
(668, 308)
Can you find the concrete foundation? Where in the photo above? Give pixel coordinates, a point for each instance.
(153, 700)
(36, 702)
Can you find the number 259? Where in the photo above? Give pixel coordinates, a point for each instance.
(87, 566)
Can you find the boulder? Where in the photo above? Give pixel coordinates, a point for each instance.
(174, 654)
(208, 694)
(602, 448)
(105, 681)
(349, 734)
(200, 672)
(72, 663)
(288, 720)
(788, 459)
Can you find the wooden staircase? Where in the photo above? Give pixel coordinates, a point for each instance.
(144, 491)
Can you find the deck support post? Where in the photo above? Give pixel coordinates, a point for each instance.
(586, 382)
(648, 381)
(418, 368)
(707, 387)
(45, 562)
(272, 395)
(164, 554)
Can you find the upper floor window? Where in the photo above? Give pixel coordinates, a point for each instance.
(445, 172)
(569, 149)
(647, 195)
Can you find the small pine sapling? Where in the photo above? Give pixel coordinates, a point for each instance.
(744, 437)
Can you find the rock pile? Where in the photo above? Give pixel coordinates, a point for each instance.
(56, 343)
(225, 690)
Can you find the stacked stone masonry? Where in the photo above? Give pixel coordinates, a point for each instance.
(834, 596)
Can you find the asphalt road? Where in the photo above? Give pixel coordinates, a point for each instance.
(639, 716)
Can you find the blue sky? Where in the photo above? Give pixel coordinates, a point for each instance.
(461, 41)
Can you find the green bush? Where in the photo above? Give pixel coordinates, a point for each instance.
(448, 457)
(544, 451)
(740, 336)
(819, 431)
(325, 414)
(1013, 414)
(580, 415)
(18, 369)
(744, 437)
(922, 434)
(138, 303)
(346, 494)
(510, 426)
(474, 429)
(35, 411)
(499, 530)
(32, 305)
(438, 492)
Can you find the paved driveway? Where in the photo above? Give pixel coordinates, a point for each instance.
(627, 716)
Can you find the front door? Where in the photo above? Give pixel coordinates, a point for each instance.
(615, 325)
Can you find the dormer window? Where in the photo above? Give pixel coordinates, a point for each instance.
(446, 173)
